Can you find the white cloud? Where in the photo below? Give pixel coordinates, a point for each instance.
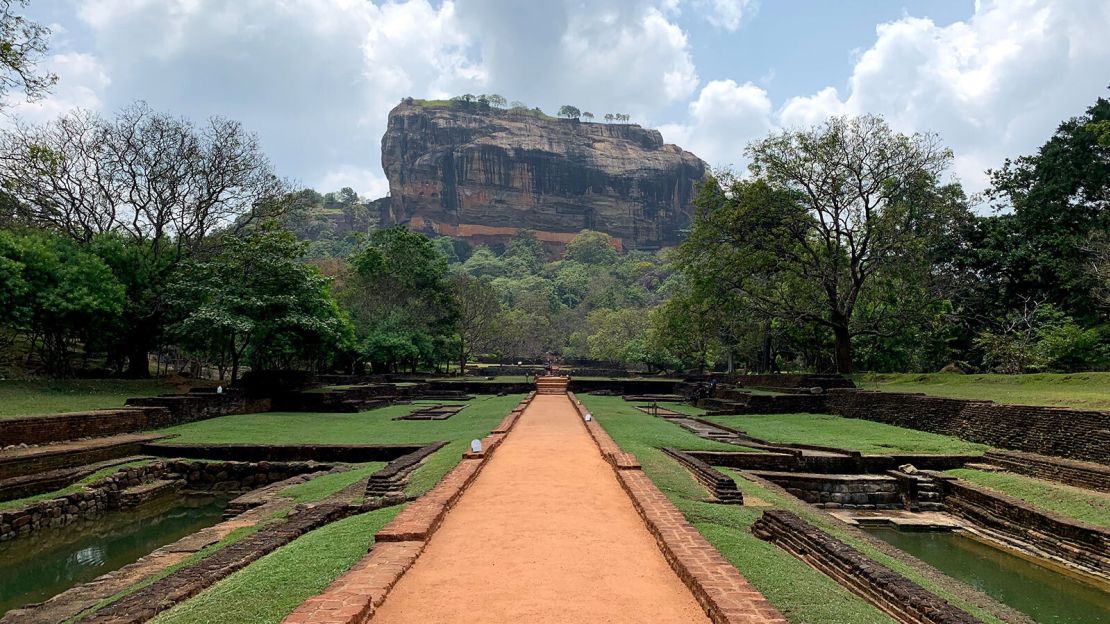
(316, 78)
(369, 182)
(807, 111)
(721, 121)
(727, 14)
(81, 79)
(993, 86)
(607, 56)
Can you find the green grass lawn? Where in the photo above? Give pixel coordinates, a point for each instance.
(865, 436)
(375, 426)
(52, 396)
(800, 592)
(269, 589)
(1077, 503)
(1081, 390)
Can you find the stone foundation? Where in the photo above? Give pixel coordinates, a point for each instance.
(892, 593)
(124, 489)
(837, 491)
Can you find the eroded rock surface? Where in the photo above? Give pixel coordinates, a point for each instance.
(484, 174)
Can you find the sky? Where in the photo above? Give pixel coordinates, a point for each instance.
(315, 79)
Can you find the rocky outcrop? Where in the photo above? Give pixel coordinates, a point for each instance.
(484, 174)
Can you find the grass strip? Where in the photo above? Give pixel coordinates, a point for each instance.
(1077, 503)
(269, 589)
(865, 436)
(1079, 390)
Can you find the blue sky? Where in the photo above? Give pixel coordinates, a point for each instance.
(316, 78)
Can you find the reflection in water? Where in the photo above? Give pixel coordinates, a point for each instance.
(1043, 594)
(35, 568)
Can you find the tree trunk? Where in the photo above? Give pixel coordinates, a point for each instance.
(843, 344)
(138, 365)
(764, 363)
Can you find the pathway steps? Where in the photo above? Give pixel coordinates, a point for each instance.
(544, 534)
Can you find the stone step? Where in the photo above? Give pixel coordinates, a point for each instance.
(139, 494)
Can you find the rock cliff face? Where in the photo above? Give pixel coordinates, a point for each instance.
(485, 174)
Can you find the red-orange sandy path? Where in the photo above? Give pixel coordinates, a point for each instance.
(544, 534)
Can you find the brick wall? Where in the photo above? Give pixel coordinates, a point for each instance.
(1080, 474)
(828, 464)
(891, 592)
(284, 452)
(791, 381)
(1075, 434)
(140, 414)
(720, 486)
(740, 402)
(45, 429)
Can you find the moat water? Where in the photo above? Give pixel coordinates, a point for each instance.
(37, 567)
(1041, 593)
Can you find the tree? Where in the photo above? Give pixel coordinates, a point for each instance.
(477, 307)
(590, 247)
(496, 101)
(256, 302)
(23, 43)
(526, 250)
(159, 181)
(399, 298)
(831, 211)
(619, 336)
(609, 117)
(54, 291)
(569, 112)
(522, 334)
(588, 116)
(1060, 198)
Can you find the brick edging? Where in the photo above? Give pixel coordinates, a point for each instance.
(725, 595)
(354, 596)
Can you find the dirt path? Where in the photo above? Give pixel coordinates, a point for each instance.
(545, 534)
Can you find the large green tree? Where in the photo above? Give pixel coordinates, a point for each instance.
(400, 299)
(1055, 206)
(478, 308)
(55, 293)
(160, 182)
(255, 302)
(831, 213)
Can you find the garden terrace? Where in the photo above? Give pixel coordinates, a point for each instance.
(1032, 429)
(787, 582)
